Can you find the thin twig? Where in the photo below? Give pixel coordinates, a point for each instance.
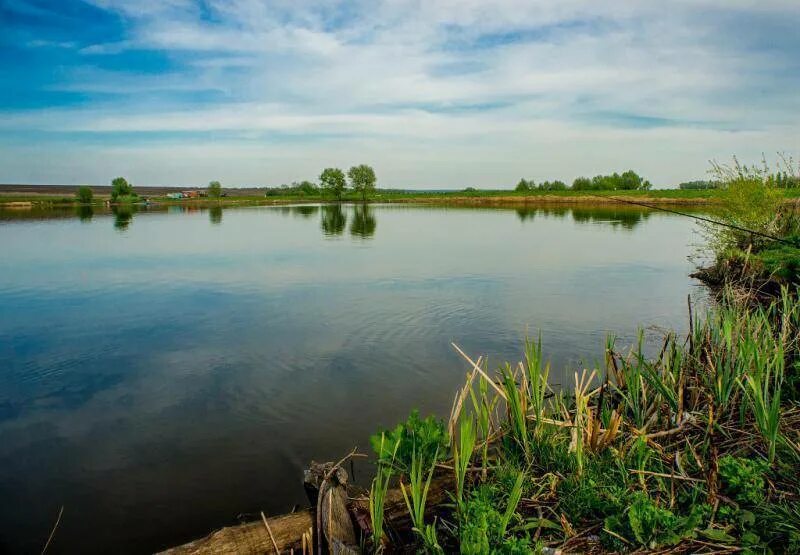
(53, 531)
(269, 531)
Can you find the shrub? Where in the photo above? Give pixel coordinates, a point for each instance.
(749, 201)
(84, 194)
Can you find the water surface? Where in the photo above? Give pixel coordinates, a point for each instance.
(163, 372)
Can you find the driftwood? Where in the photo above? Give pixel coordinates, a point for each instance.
(288, 530)
(252, 537)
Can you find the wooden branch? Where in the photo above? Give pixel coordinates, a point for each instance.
(253, 538)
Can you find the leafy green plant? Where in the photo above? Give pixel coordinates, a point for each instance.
(652, 526)
(423, 439)
(743, 479)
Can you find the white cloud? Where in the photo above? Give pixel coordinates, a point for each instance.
(463, 87)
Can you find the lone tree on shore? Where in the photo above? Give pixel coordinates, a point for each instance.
(214, 189)
(332, 181)
(84, 194)
(121, 189)
(362, 180)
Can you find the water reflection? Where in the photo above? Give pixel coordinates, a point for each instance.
(616, 216)
(123, 216)
(85, 213)
(627, 218)
(333, 220)
(215, 215)
(305, 210)
(364, 222)
(529, 213)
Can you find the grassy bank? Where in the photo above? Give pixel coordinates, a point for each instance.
(695, 450)
(477, 197)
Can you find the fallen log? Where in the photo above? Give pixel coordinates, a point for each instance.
(253, 538)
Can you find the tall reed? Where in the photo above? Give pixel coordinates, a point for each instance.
(462, 454)
(377, 497)
(538, 383)
(416, 496)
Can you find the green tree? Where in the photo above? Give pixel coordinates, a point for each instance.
(362, 180)
(524, 185)
(121, 190)
(582, 184)
(214, 189)
(308, 189)
(84, 195)
(333, 182)
(552, 186)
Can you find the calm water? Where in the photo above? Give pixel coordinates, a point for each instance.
(163, 372)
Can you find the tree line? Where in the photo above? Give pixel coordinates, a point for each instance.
(626, 181)
(333, 182)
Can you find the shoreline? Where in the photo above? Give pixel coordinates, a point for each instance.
(22, 202)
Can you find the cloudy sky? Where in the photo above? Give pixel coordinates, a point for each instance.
(432, 93)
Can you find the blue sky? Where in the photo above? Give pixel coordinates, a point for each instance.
(432, 93)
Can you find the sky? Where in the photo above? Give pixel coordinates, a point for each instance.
(431, 93)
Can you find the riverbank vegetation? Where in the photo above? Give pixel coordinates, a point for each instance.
(757, 244)
(360, 184)
(692, 450)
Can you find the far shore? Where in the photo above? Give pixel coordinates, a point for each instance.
(28, 196)
(41, 196)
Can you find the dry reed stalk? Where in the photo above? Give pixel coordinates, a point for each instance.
(458, 402)
(480, 370)
(269, 531)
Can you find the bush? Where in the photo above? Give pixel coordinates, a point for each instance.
(84, 195)
(749, 201)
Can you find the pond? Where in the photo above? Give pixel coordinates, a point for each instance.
(164, 371)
